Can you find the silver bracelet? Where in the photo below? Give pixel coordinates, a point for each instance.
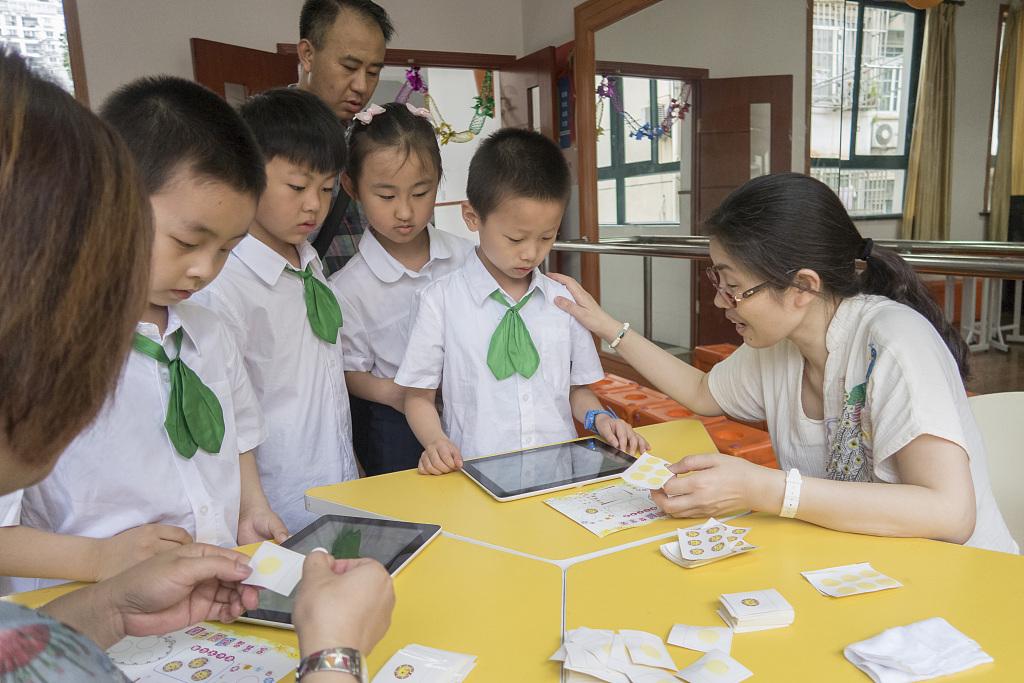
(338, 659)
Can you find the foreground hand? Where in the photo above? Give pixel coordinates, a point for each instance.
(260, 524)
(342, 603)
(714, 485)
(440, 457)
(128, 548)
(619, 434)
(585, 309)
(170, 591)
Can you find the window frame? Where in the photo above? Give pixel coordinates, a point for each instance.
(990, 158)
(868, 162)
(618, 170)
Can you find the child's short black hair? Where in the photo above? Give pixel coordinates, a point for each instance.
(397, 128)
(318, 16)
(515, 162)
(169, 121)
(297, 126)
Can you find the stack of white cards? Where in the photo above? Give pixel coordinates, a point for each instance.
(706, 543)
(755, 610)
(422, 664)
(624, 657)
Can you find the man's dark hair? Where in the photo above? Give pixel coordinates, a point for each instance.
(297, 126)
(168, 121)
(514, 162)
(318, 16)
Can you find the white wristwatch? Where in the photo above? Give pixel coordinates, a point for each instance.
(791, 499)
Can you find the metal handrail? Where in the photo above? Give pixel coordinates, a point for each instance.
(966, 265)
(956, 247)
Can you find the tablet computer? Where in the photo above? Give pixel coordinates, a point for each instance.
(390, 542)
(535, 471)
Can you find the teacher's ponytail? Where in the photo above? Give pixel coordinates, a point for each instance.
(777, 224)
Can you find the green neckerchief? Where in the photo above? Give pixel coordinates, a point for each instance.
(511, 348)
(194, 416)
(322, 307)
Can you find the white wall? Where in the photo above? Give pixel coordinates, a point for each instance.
(125, 39)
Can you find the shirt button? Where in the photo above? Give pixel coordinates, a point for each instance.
(526, 397)
(203, 510)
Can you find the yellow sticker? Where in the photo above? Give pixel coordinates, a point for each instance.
(268, 565)
(708, 636)
(717, 666)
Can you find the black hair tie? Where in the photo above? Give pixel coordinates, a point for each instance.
(865, 248)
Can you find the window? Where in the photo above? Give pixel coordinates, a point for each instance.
(51, 54)
(993, 145)
(865, 56)
(638, 179)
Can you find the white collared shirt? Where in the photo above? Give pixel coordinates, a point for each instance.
(123, 471)
(378, 297)
(889, 378)
(448, 346)
(298, 378)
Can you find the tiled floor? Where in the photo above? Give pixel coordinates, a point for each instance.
(995, 371)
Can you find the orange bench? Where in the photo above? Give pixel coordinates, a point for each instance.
(626, 402)
(705, 357)
(733, 438)
(668, 411)
(611, 383)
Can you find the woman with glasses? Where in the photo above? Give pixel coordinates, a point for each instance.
(855, 370)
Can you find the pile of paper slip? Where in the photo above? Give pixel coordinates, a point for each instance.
(623, 657)
(755, 610)
(427, 665)
(706, 543)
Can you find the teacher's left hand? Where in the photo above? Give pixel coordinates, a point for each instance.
(714, 484)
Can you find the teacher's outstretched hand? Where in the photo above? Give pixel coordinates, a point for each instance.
(585, 309)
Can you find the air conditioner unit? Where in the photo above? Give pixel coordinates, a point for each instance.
(884, 134)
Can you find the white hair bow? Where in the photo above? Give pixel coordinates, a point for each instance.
(419, 111)
(364, 117)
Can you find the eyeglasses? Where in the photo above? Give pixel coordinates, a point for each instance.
(732, 299)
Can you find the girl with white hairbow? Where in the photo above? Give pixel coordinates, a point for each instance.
(393, 171)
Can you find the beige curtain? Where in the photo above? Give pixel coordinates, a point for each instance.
(930, 167)
(1008, 178)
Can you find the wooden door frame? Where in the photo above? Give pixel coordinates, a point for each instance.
(75, 55)
(589, 18)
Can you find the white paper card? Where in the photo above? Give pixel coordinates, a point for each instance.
(608, 509)
(648, 472)
(701, 638)
(710, 540)
(850, 579)
(756, 603)
(715, 667)
(275, 568)
(421, 664)
(647, 649)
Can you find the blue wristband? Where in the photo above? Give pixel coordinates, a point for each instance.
(588, 421)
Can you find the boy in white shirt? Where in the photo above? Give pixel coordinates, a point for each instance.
(169, 459)
(286, 320)
(514, 367)
(394, 167)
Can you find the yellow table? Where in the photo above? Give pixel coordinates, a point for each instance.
(527, 525)
(503, 608)
(977, 591)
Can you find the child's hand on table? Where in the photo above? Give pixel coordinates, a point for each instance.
(260, 523)
(620, 434)
(128, 548)
(440, 457)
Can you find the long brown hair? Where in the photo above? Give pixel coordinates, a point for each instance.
(75, 237)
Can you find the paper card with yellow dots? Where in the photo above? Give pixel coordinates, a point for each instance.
(275, 568)
(710, 540)
(850, 579)
(715, 667)
(701, 638)
(648, 472)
